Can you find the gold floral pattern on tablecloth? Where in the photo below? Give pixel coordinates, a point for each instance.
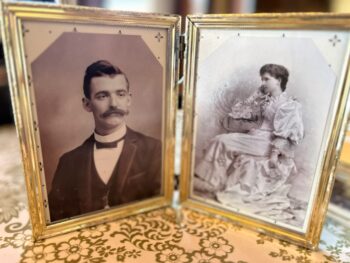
(149, 231)
(40, 254)
(134, 239)
(200, 225)
(11, 196)
(164, 235)
(12, 189)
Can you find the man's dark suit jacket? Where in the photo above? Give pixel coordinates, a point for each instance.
(138, 176)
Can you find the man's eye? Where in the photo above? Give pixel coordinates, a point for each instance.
(101, 96)
(121, 93)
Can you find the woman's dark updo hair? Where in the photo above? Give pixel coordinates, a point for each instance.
(276, 71)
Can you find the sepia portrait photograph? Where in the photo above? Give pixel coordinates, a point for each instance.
(99, 100)
(263, 99)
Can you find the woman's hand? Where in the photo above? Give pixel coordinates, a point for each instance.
(273, 162)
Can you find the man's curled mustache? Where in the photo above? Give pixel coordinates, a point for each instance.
(114, 111)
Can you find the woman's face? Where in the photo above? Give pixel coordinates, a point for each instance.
(270, 84)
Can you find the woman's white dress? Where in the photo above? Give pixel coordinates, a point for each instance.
(237, 164)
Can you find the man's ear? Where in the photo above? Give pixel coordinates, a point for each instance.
(86, 104)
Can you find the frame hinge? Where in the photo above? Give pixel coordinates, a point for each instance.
(182, 46)
(181, 56)
(181, 49)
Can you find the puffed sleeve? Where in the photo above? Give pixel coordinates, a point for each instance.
(288, 127)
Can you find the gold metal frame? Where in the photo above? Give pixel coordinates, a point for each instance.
(302, 21)
(12, 16)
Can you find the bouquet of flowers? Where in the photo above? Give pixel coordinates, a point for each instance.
(246, 114)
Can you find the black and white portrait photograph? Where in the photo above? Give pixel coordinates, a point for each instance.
(99, 100)
(262, 102)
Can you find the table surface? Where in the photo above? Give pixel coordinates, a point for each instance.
(159, 236)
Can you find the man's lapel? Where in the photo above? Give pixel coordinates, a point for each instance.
(126, 159)
(85, 163)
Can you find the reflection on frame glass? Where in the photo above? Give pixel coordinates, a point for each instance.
(93, 109)
(339, 207)
(267, 106)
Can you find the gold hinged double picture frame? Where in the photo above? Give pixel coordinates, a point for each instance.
(94, 94)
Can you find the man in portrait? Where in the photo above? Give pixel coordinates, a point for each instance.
(115, 165)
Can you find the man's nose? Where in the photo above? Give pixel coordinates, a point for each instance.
(113, 101)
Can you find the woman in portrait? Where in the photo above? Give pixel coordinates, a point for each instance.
(254, 166)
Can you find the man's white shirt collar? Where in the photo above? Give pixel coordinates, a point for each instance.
(106, 158)
(118, 134)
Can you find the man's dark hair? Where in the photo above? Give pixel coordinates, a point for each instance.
(276, 71)
(98, 69)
